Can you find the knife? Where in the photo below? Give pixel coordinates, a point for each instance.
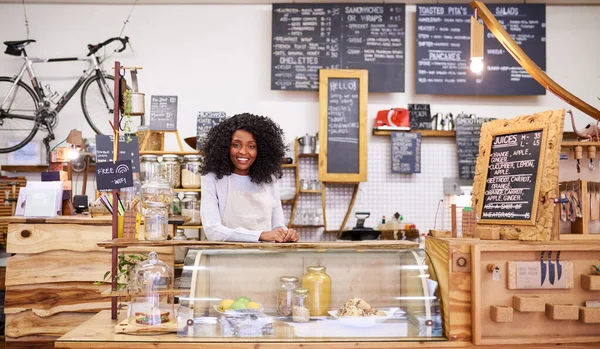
(550, 268)
(543, 266)
(558, 266)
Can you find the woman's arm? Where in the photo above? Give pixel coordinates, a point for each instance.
(211, 216)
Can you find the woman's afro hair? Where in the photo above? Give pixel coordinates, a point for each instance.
(269, 145)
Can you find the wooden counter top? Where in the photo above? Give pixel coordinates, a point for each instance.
(76, 219)
(358, 245)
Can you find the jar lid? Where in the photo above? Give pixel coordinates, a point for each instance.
(192, 157)
(190, 193)
(301, 291)
(156, 204)
(316, 268)
(288, 279)
(150, 157)
(171, 157)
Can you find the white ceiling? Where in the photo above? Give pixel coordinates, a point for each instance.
(129, 2)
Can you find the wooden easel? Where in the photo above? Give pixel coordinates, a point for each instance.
(162, 140)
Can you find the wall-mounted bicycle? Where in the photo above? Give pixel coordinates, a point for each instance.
(24, 109)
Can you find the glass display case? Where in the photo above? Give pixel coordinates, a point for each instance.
(374, 295)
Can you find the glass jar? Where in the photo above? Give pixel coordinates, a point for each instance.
(156, 221)
(287, 285)
(180, 251)
(131, 197)
(190, 172)
(301, 305)
(175, 207)
(157, 190)
(170, 169)
(150, 306)
(149, 167)
(318, 284)
(190, 207)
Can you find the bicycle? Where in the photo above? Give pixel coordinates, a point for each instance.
(24, 109)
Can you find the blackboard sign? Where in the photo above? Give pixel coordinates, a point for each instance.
(443, 51)
(406, 152)
(308, 37)
(468, 131)
(206, 121)
(420, 117)
(342, 128)
(163, 113)
(128, 150)
(510, 189)
(116, 175)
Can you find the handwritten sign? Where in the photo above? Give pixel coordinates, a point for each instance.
(128, 150)
(468, 131)
(512, 177)
(163, 113)
(406, 152)
(420, 117)
(206, 121)
(116, 175)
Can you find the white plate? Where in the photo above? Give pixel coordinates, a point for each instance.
(363, 321)
(239, 312)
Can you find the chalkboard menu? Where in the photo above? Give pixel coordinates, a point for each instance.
(343, 125)
(420, 117)
(163, 113)
(116, 175)
(309, 37)
(468, 131)
(512, 176)
(406, 152)
(206, 121)
(128, 150)
(443, 50)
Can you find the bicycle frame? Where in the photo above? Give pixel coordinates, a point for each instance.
(95, 66)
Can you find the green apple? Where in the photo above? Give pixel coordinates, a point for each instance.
(237, 305)
(244, 300)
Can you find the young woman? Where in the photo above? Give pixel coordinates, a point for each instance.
(240, 194)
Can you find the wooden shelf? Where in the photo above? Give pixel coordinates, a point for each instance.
(308, 155)
(164, 152)
(307, 226)
(581, 143)
(189, 227)
(125, 293)
(289, 165)
(304, 191)
(209, 245)
(424, 133)
(181, 190)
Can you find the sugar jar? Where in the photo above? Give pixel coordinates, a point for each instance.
(318, 284)
(287, 285)
(301, 305)
(190, 171)
(156, 221)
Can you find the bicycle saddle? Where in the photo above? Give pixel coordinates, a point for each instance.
(18, 42)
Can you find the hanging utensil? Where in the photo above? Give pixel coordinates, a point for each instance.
(550, 268)
(558, 266)
(543, 268)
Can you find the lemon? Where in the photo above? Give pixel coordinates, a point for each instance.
(253, 305)
(225, 304)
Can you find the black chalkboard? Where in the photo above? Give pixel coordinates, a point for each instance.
(116, 175)
(163, 113)
(468, 131)
(307, 37)
(128, 149)
(512, 175)
(343, 121)
(406, 152)
(206, 121)
(420, 117)
(443, 51)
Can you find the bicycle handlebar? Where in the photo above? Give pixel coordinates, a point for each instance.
(94, 48)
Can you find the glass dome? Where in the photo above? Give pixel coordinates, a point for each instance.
(151, 285)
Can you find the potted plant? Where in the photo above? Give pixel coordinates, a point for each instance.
(591, 282)
(125, 265)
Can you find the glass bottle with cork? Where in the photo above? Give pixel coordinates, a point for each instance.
(318, 284)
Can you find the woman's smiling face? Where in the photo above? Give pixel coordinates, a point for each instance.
(242, 151)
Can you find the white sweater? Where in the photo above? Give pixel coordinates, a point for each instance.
(214, 199)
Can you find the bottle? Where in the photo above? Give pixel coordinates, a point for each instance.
(180, 251)
(156, 221)
(301, 305)
(287, 285)
(318, 284)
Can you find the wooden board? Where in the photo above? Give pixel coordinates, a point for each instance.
(76, 219)
(27, 323)
(37, 238)
(48, 299)
(124, 327)
(551, 123)
(218, 245)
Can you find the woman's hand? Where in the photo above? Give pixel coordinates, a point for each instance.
(279, 235)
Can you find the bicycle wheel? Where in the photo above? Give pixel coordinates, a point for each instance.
(18, 122)
(97, 103)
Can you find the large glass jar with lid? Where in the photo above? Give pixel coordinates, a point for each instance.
(180, 251)
(150, 304)
(318, 284)
(190, 171)
(149, 167)
(287, 285)
(170, 169)
(157, 190)
(301, 305)
(190, 207)
(156, 221)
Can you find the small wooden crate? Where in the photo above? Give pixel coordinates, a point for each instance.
(590, 282)
(469, 224)
(562, 312)
(528, 304)
(501, 313)
(589, 315)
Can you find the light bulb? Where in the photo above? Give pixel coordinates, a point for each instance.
(476, 65)
(73, 154)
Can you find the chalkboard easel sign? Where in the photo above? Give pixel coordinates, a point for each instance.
(343, 125)
(163, 113)
(517, 174)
